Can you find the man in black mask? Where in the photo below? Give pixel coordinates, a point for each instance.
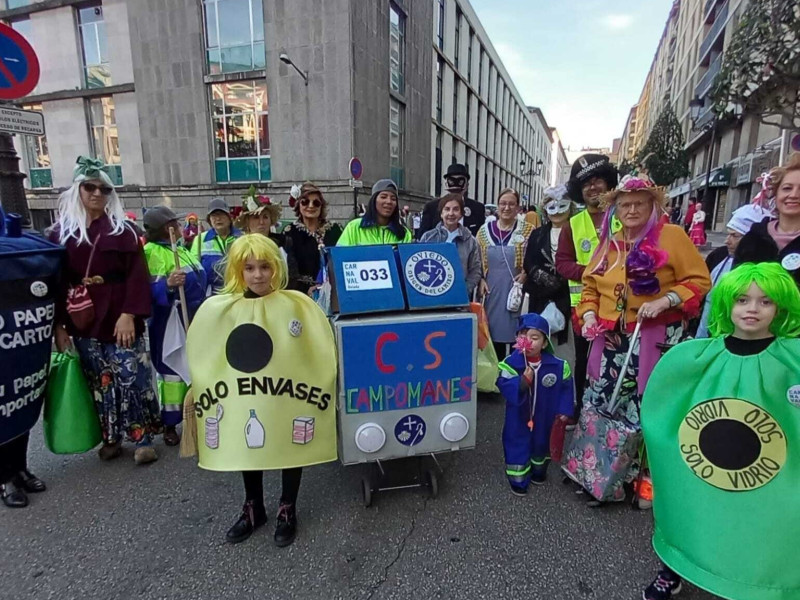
(457, 182)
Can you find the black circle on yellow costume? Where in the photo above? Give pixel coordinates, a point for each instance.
(732, 444)
(249, 348)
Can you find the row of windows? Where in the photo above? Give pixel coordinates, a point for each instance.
(499, 99)
(103, 143)
(397, 108)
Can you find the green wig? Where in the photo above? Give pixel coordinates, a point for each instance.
(776, 284)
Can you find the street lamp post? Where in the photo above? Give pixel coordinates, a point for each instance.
(529, 174)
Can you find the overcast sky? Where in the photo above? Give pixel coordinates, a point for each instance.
(582, 61)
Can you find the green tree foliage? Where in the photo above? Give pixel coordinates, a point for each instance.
(625, 167)
(663, 156)
(761, 65)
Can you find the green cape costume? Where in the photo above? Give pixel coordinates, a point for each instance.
(723, 441)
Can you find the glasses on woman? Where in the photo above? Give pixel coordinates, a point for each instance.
(92, 188)
(313, 203)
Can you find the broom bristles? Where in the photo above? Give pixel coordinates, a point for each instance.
(189, 438)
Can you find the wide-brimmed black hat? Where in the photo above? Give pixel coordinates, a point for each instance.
(457, 170)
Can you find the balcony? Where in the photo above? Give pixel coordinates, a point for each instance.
(707, 81)
(708, 17)
(713, 34)
(704, 118)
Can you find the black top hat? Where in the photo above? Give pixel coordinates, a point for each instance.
(457, 170)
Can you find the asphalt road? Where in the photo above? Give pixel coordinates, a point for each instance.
(112, 530)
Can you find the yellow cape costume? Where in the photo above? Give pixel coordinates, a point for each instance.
(264, 381)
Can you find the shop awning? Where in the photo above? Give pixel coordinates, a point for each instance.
(720, 177)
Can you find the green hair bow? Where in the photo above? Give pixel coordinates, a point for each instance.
(90, 168)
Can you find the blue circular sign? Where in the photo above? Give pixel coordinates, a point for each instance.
(356, 168)
(410, 430)
(429, 273)
(19, 67)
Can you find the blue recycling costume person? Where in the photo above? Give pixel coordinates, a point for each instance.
(161, 263)
(532, 407)
(29, 273)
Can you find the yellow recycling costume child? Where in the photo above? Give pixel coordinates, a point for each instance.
(263, 372)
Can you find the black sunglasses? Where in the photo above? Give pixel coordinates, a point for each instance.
(92, 188)
(314, 203)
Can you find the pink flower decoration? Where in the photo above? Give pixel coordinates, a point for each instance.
(572, 465)
(612, 438)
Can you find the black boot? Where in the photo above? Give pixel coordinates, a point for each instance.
(286, 526)
(13, 495)
(252, 518)
(30, 482)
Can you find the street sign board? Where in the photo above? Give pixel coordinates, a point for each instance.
(356, 168)
(356, 183)
(19, 67)
(28, 122)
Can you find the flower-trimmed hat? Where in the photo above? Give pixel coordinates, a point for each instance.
(635, 183)
(254, 204)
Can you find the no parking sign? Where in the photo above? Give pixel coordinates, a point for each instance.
(19, 67)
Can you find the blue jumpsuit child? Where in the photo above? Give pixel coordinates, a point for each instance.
(532, 406)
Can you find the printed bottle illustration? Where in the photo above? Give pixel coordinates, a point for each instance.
(254, 431)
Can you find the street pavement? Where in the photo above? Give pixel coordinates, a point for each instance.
(113, 530)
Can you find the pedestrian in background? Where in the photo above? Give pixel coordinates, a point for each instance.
(502, 244)
(104, 254)
(165, 280)
(381, 221)
(688, 218)
(450, 230)
(211, 246)
(697, 232)
(307, 236)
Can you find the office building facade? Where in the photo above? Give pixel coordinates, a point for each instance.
(190, 99)
(726, 157)
(479, 117)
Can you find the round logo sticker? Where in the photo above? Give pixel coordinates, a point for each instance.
(793, 395)
(39, 289)
(429, 273)
(732, 444)
(791, 261)
(549, 380)
(410, 430)
(586, 245)
(467, 211)
(295, 328)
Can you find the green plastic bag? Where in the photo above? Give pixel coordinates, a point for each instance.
(488, 369)
(71, 425)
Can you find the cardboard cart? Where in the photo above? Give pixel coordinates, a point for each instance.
(407, 359)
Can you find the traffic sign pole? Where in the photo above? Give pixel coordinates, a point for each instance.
(19, 74)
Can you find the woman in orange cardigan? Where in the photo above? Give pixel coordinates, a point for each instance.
(648, 270)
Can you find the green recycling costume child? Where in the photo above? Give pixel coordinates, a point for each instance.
(721, 420)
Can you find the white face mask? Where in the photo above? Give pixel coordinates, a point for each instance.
(556, 207)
